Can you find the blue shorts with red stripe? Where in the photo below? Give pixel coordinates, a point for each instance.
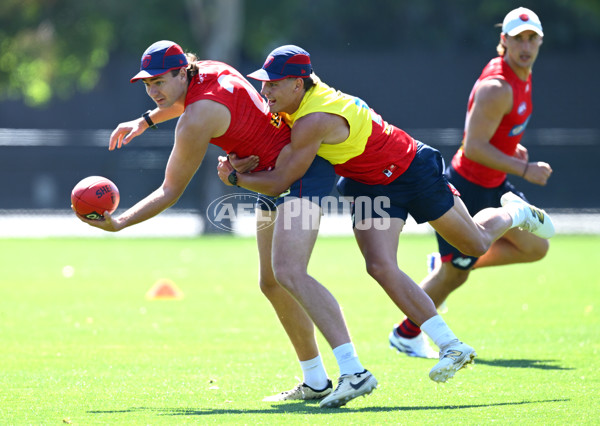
(318, 182)
(421, 191)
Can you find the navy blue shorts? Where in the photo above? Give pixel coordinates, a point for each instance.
(421, 191)
(317, 183)
(476, 198)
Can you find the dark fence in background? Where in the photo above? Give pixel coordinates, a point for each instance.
(422, 92)
(38, 168)
(412, 90)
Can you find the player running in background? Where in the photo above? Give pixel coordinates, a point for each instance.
(216, 104)
(498, 111)
(377, 161)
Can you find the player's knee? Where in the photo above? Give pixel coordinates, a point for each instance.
(452, 277)
(287, 274)
(378, 269)
(283, 276)
(538, 251)
(473, 247)
(267, 284)
(543, 251)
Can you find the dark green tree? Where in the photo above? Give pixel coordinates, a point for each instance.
(55, 48)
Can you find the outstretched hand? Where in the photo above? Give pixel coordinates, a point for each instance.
(125, 132)
(106, 223)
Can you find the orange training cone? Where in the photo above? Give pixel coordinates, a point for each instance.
(164, 289)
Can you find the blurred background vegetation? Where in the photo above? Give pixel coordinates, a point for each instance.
(57, 48)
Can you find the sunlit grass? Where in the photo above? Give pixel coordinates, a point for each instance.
(81, 343)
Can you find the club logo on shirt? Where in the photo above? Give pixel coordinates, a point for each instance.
(276, 120)
(519, 128)
(522, 108)
(389, 170)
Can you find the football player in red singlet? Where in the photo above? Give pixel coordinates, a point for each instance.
(216, 104)
(391, 175)
(498, 111)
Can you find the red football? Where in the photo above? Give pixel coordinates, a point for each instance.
(94, 195)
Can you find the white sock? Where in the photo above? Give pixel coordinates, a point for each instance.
(436, 328)
(516, 212)
(347, 359)
(314, 372)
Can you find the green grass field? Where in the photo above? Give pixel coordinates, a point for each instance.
(89, 348)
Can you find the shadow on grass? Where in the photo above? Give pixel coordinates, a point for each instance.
(303, 407)
(541, 364)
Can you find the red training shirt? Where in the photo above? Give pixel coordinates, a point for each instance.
(253, 129)
(510, 130)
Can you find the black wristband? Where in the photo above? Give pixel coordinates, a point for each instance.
(146, 116)
(232, 178)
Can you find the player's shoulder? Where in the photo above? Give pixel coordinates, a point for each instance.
(204, 113)
(493, 90)
(211, 66)
(317, 119)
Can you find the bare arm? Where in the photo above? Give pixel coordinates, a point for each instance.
(201, 122)
(493, 100)
(294, 159)
(128, 130)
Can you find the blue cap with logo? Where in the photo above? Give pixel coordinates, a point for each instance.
(284, 62)
(160, 58)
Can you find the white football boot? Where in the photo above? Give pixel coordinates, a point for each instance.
(537, 221)
(453, 357)
(417, 346)
(301, 391)
(350, 386)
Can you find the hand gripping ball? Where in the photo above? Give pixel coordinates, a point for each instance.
(94, 195)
